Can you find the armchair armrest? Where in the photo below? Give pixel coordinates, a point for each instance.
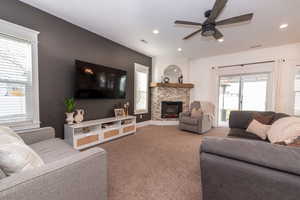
(82, 176)
(37, 135)
(184, 114)
(255, 152)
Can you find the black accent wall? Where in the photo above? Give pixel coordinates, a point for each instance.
(60, 43)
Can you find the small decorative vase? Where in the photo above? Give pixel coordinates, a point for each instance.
(79, 116)
(70, 118)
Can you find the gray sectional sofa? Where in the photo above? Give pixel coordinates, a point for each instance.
(240, 167)
(67, 175)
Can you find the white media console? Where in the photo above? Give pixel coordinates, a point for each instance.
(90, 133)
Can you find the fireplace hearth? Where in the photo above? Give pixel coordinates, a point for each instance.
(171, 109)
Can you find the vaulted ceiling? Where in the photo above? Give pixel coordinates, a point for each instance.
(130, 21)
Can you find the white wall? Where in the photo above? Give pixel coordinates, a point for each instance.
(160, 63)
(201, 69)
(201, 73)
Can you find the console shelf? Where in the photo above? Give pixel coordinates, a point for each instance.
(90, 133)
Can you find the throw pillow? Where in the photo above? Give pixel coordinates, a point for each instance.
(284, 129)
(196, 113)
(4, 130)
(18, 157)
(258, 129)
(264, 119)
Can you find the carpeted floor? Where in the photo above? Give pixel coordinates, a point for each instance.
(157, 163)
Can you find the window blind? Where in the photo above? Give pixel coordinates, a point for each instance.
(297, 93)
(141, 89)
(15, 80)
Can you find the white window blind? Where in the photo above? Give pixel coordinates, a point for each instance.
(141, 87)
(15, 80)
(297, 93)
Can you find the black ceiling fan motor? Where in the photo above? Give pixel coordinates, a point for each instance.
(208, 29)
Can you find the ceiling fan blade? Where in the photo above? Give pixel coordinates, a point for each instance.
(218, 7)
(234, 20)
(187, 23)
(192, 34)
(218, 34)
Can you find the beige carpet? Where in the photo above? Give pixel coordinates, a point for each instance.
(157, 163)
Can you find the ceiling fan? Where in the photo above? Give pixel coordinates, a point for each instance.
(208, 28)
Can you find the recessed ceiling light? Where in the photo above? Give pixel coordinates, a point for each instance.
(221, 40)
(155, 31)
(179, 49)
(282, 26)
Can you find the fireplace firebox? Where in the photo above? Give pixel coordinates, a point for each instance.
(171, 109)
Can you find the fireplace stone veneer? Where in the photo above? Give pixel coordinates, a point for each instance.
(168, 94)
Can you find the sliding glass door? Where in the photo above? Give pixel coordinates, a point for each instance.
(243, 92)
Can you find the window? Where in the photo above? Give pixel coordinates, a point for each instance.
(141, 79)
(19, 106)
(297, 92)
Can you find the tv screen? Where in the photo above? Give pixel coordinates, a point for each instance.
(97, 81)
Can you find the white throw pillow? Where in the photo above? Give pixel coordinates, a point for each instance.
(18, 157)
(284, 129)
(4, 130)
(258, 129)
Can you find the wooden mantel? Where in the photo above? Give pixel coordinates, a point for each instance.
(172, 85)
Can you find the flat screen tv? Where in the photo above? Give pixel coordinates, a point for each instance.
(99, 82)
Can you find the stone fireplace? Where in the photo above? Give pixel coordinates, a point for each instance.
(168, 100)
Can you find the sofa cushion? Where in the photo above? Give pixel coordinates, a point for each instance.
(259, 153)
(189, 120)
(241, 133)
(242, 119)
(53, 149)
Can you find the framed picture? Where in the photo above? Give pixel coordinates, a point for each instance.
(119, 112)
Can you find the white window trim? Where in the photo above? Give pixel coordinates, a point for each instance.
(141, 68)
(297, 68)
(23, 33)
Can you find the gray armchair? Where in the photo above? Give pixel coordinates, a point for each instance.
(199, 124)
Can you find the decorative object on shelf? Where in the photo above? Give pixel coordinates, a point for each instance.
(86, 129)
(119, 112)
(180, 79)
(166, 80)
(126, 108)
(70, 106)
(173, 72)
(79, 116)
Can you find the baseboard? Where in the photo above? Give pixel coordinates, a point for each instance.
(164, 123)
(142, 124)
(157, 123)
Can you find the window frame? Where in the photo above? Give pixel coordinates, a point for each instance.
(22, 33)
(143, 69)
(295, 91)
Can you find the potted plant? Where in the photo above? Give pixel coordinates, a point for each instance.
(70, 105)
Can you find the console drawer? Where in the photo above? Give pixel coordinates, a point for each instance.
(112, 133)
(87, 140)
(128, 129)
